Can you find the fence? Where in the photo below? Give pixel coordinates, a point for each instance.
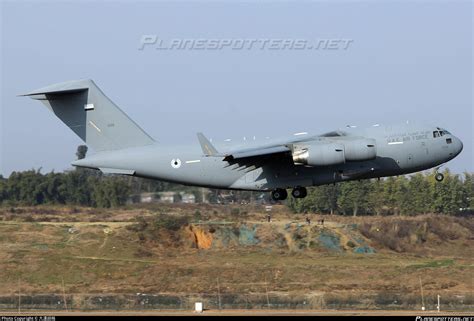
(223, 301)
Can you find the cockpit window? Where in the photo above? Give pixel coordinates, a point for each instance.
(440, 132)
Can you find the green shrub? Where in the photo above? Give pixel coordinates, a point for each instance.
(351, 244)
(172, 223)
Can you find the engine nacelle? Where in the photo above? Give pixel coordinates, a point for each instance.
(320, 154)
(360, 149)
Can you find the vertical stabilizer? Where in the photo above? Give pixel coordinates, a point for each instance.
(84, 108)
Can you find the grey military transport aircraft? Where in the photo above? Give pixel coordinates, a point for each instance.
(275, 165)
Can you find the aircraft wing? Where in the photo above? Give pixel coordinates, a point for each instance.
(256, 152)
(280, 151)
(209, 150)
(248, 158)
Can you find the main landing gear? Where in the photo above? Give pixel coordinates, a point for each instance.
(299, 192)
(281, 194)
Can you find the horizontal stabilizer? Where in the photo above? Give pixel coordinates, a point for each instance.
(68, 87)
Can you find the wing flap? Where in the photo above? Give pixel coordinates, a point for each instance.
(107, 170)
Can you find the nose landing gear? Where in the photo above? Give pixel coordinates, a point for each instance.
(439, 177)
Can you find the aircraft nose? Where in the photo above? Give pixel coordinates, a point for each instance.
(459, 145)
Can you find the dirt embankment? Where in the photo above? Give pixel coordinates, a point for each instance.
(425, 235)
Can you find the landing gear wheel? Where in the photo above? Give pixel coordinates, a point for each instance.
(299, 192)
(279, 194)
(439, 177)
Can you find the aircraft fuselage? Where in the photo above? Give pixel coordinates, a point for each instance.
(400, 149)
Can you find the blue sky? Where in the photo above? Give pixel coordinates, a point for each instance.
(407, 61)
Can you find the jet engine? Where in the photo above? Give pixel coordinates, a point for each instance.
(319, 154)
(332, 153)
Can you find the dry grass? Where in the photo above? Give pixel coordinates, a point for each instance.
(140, 255)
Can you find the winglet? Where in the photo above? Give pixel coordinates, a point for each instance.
(206, 145)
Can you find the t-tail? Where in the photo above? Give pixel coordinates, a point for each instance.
(84, 108)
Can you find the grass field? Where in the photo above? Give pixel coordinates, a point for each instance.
(205, 252)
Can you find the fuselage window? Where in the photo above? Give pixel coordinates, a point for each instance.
(435, 134)
(449, 140)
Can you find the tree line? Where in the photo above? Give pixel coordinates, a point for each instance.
(413, 194)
